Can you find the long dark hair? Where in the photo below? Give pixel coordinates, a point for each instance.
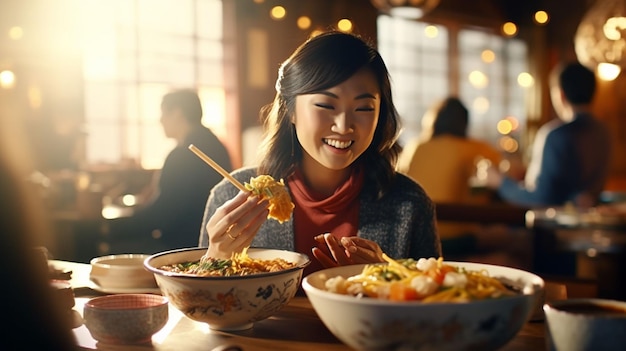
(320, 63)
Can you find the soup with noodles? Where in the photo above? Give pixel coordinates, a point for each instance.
(240, 264)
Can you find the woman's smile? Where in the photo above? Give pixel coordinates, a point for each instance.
(338, 144)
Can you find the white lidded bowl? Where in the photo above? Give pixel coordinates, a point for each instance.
(121, 273)
(228, 303)
(375, 324)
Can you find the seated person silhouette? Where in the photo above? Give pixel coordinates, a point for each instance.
(173, 217)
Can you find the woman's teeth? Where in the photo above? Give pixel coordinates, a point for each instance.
(338, 144)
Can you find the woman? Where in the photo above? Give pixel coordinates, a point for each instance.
(443, 161)
(331, 135)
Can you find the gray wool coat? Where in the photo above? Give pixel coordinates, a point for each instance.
(402, 222)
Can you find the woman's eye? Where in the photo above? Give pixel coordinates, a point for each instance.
(325, 106)
(365, 109)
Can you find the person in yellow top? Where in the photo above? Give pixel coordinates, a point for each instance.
(443, 160)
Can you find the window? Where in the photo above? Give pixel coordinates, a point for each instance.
(134, 51)
(418, 66)
(491, 78)
(491, 69)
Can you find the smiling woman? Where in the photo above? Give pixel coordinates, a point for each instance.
(351, 108)
(331, 134)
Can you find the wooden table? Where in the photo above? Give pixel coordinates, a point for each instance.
(295, 327)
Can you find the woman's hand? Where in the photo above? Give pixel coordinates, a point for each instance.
(233, 226)
(348, 250)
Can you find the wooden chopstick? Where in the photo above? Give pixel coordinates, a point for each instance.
(217, 167)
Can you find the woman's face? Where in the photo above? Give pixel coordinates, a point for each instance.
(337, 125)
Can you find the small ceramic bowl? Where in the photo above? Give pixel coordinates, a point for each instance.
(125, 318)
(586, 324)
(123, 273)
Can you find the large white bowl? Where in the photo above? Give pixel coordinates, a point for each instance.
(228, 303)
(374, 324)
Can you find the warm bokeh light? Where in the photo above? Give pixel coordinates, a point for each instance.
(431, 31)
(488, 56)
(509, 29)
(508, 144)
(7, 79)
(344, 25)
(478, 79)
(16, 33)
(480, 105)
(608, 71)
(514, 122)
(259, 1)
(525, 80)
(613, 28)
(278, 12)
(129, 200)
(111, 212)
(303, 22)
(541, 17)
(504, 127)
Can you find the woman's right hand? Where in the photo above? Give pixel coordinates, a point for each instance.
(234, 224)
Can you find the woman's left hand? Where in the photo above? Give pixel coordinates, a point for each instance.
(348, 250)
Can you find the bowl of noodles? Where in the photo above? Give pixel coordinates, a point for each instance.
(230, 294)
(425, 304)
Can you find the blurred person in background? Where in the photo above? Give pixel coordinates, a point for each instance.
(33, 318)
(570, 156)
(171, 218)
(444, 161)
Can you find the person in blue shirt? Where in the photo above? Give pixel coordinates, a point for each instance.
(571, 160)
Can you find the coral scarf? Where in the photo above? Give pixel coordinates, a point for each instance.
(313, 214)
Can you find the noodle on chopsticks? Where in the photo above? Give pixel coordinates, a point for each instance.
(426, 280)
(280, 205)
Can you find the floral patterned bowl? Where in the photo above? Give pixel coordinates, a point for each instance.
(125, 318)
(228, 303)
(374, 324)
